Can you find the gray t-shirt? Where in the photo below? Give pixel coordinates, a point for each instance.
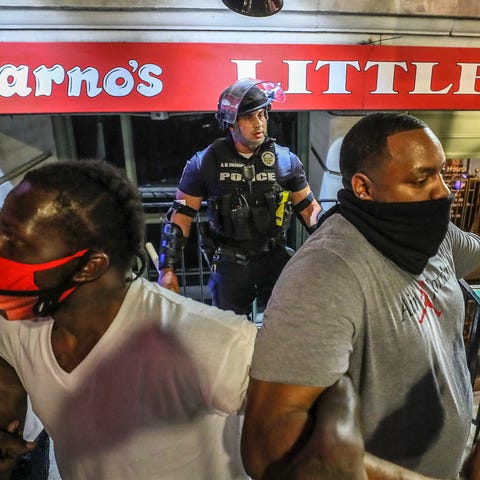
(341, 306)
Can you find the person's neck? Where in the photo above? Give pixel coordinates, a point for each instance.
(245, 149)
(83, 319)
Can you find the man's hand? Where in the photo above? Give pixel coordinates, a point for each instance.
(299, 432)
(168, 279)
(12, 447)
(335, 450)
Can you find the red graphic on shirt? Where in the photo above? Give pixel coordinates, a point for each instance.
(427, 303)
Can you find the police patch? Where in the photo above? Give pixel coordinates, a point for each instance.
(268, 158)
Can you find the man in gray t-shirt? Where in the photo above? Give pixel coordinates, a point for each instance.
(372, 294)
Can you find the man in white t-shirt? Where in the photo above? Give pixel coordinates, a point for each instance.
(130, 380)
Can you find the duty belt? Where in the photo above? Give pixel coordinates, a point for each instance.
(230, 255)
(242, 257)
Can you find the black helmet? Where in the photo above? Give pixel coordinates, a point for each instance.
(254, 99)
(245, 96)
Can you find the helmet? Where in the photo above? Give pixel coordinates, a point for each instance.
(245, 96)
(254, 99)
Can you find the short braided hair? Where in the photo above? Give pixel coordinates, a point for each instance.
(364, 147)
(98, 208)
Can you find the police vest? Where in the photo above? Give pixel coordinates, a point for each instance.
(252, 207)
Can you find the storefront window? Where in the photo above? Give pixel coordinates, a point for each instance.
(99, 136)
(161, 143)
(163, 146)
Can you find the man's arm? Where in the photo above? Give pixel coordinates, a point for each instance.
(295, 432)
(311, 211)
(302, 433)
(13, 408)
(378, 469)
(167, 277)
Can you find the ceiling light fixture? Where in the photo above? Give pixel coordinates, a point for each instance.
(255, 8)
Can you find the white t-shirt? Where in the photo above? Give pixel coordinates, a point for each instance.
(152, 398)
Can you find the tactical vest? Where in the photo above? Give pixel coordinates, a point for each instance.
(251, 207)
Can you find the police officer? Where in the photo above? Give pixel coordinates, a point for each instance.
(251, 185)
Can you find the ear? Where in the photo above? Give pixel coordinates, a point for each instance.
(96, 266)
(362, 186)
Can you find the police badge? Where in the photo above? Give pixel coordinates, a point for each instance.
(268, 158)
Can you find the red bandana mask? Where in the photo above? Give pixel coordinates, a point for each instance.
(20, 297)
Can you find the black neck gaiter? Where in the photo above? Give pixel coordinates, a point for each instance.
(408, 233)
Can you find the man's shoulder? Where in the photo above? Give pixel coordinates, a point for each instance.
(200, 154)
(145, 290)
(336, 225)
(282, 149)
(339, 238)
(288, 162)
(187, 310)
(460, 238)
(218, 146)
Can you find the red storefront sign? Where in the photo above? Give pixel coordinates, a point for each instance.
(167, 77)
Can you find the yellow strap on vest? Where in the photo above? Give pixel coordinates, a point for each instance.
(280, 213)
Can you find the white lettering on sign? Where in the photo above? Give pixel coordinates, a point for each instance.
(468, 77)
(246, 68)
(297, 78)
(307, 77)
(153, 85)
(14, 80)
(117, 82)
(78, 77)
(337, 77)
(45, 77)
(423, 79)
(386, 75)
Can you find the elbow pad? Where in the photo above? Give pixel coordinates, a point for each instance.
(303, 204)
(171, 245)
